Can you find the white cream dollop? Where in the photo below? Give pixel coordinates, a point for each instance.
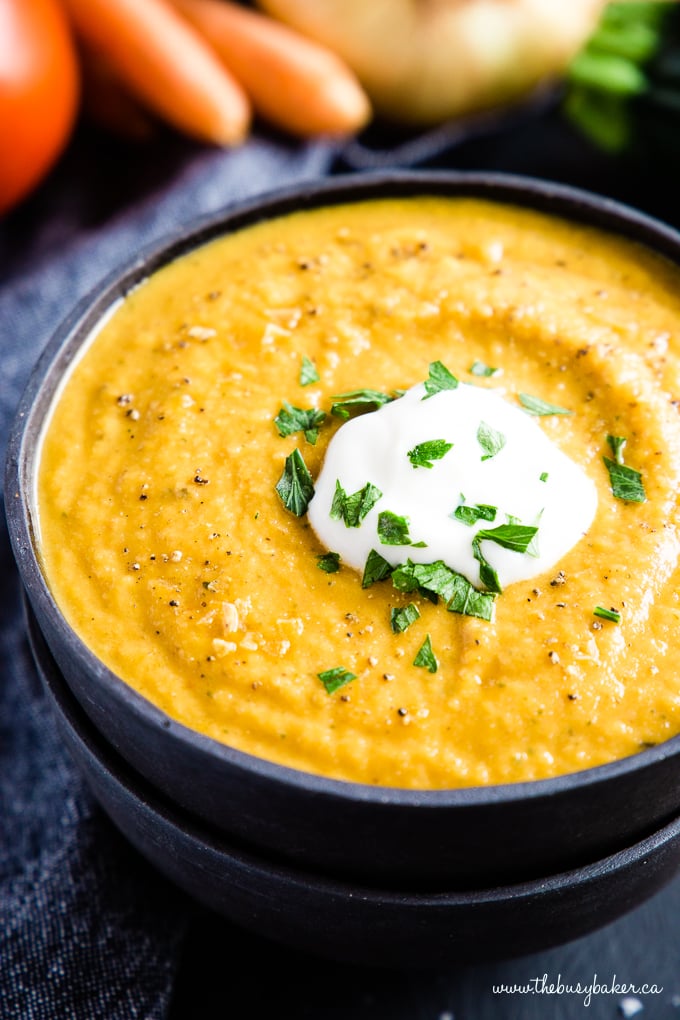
(529, 480)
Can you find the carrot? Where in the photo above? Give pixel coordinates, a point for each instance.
(293, 82)
(166, 64)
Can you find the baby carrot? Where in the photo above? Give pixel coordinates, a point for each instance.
(166, 64)
(293, 82)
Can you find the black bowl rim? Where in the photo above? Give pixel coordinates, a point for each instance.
(80, 728)
(573, 204)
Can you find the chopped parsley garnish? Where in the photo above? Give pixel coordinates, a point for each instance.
(352, 509)
(607, 614)
(515, 537)
(625, 481)
(308, 372)
(438, 579)
(479, 369)
(357, 401)
(295, 486)
(401, 619)
(426, 657)
(471, 514)
(543, 477)
(469, 601)
(491, 441)
(334, 679)
(487, 574)
(423, 454)
(377, 569)
(328, 562)
(616, 445)
(297, 419)
(534, 405)
(439, 379)
(393, 530)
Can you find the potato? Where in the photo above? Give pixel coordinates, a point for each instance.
(423, 61)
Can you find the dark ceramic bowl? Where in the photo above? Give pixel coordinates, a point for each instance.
(343, 920)
(410, 839)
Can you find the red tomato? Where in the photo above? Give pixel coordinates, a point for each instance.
(38, 92)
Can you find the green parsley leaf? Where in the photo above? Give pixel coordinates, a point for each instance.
(308, 372)
(471, 514)
(543, 477)
(377, 569)
(438, 579)
(430, 577)
(616, 444)
(515, 537)
(352, 509)
(297, 419)
(479, 369)
(625, 481)
(393, 529)
(401, 619)
(328, 562)
(423, 454)
(469, 601)
(534, 405)
(440, 379)
(358, 401)
(491, 441)
(487, 574)
(334, 679)
(426, 657)
(607, 614)
(295, 486)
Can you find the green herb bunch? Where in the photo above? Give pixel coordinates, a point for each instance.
(624, 86)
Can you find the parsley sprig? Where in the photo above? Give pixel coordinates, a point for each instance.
(328, 562)
(308, 372)
(541, 408)
(358, 401)
(295, 486)
(438, 580)
(423, 454)
(626, 483)
(335, 678)
(393, 530)
(299, 419)
(426, 657)
(376, 569)
(470, 514)
(491, 441)
(353, 508)
(401, 619)
(515, 537)
(439, 379)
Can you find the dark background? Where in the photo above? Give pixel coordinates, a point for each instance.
(104, 198)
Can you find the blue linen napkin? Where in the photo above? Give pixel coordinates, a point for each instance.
(87, 929)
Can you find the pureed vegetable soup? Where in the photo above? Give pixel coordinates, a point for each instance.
(496, 594)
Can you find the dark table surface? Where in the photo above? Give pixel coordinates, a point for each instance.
(79, 222)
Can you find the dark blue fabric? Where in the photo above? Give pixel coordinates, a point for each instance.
(87, 929)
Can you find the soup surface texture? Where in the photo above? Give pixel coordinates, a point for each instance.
(171, 553)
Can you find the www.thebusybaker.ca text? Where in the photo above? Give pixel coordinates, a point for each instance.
(545, 986)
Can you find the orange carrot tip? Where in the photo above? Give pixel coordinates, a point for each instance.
(166, 64)
(293, 82)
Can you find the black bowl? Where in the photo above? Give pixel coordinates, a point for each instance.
(405, 837)
(343, 920)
